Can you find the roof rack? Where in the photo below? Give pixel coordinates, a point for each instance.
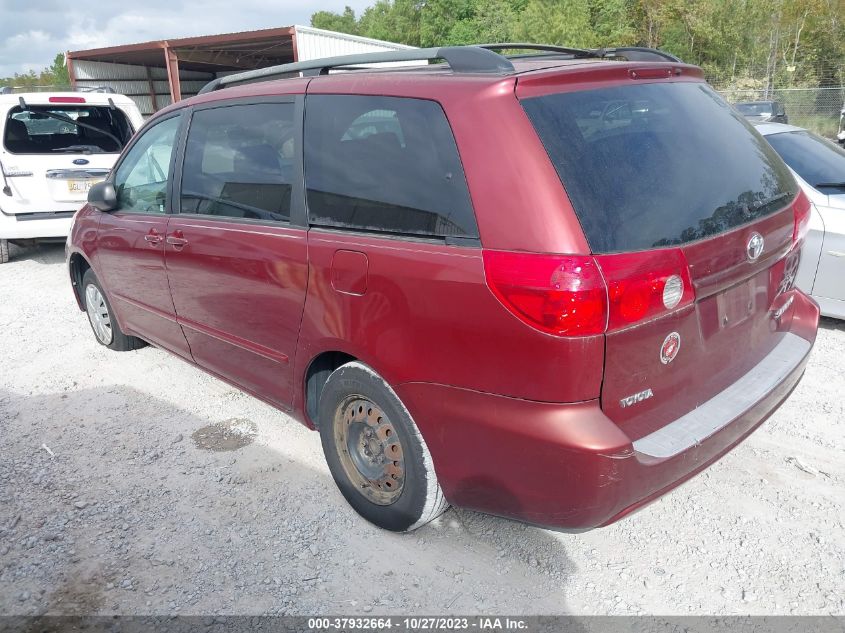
(480, 58)
(631, 53)
(462, 59)
(549, 48)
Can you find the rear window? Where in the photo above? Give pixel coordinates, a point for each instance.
(816, 160)
(756, 109)
(384, 164)
(66, 129)
(658, 164)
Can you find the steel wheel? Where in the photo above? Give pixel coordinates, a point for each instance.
(98, 314)
(369, 450)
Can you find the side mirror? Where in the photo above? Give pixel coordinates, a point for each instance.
(102, 196)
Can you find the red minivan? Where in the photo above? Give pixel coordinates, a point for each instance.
(550, 287)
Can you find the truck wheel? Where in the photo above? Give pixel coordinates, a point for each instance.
(101, 317)
(4, 251)
(375, 452)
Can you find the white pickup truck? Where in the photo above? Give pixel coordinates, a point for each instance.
(55, 145)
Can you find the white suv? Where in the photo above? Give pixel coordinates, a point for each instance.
(55, 145)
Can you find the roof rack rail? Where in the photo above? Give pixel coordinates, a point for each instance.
(549, 48)
(462, 59)
(640, 54)
(631, 53)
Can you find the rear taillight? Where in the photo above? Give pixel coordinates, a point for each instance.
(562, 295)
(801, 208)
(580, 295)
(641, 286)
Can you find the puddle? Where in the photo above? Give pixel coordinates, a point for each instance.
(225, 436)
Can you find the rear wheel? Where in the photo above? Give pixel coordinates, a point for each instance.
(375, 452)
(101, 317)
(4, 251)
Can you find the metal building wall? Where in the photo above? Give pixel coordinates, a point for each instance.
(314, 43)
(134, 82)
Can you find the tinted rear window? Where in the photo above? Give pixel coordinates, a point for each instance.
(816, 160)
(384, 164)
(658, 164)
(66, 129)
(239, 162)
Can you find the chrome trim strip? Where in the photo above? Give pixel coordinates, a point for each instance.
(715, 414)
(77, 174)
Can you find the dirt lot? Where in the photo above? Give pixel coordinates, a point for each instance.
(132, 483)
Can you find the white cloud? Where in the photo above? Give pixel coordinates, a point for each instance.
(32, 32)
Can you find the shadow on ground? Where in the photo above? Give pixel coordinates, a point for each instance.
(108, 506)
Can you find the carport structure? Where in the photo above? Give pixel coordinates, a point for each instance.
(155, 74)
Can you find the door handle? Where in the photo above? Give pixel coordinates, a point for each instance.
(836, 253)
(177, 239)
(153, 238)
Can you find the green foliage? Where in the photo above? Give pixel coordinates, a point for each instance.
(790, 42)
(55, 76)
(345, 22)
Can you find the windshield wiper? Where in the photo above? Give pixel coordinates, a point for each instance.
(85, 149)
(839, 185)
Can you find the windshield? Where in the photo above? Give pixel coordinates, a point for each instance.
(755, 109)
(642, 172)
(813, 158)
(66, 129)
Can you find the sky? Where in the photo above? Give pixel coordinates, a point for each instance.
(33, 31)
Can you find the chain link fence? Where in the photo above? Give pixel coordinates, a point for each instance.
(816, 109)
(813, 94)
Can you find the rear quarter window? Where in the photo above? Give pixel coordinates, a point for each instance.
(658, 164)
(384, 164)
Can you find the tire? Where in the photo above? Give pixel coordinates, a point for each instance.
(101, 317)
(4, 251)
(375, 452)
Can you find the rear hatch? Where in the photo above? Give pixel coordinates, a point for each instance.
(690, 216)
(54, 152)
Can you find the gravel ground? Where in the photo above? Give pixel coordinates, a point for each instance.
(135, 484)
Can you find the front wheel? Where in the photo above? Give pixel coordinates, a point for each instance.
(101, 317)
(375, 452)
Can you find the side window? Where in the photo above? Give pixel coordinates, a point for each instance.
(384, 164)
(141, 179)
(239, 162)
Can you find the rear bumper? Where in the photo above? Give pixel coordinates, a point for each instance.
(568, 466)
(35, 225)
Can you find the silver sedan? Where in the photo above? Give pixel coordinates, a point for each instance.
(819, 167)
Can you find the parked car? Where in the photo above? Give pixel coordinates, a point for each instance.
(55, 146)
(390, 256)
(819, 167)
(763, 111)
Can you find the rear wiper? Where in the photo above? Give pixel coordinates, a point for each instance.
(840, 185)
(765, 203)
(85, 149)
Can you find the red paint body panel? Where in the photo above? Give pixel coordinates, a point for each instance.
(132, 271)
(564, 465)
(238, 290)
(519, 423)
(419, 322)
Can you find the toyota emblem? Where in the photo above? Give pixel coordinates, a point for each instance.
(670, 347)
(754, 247)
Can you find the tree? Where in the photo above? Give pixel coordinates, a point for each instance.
(58, 72)
(345, 22)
